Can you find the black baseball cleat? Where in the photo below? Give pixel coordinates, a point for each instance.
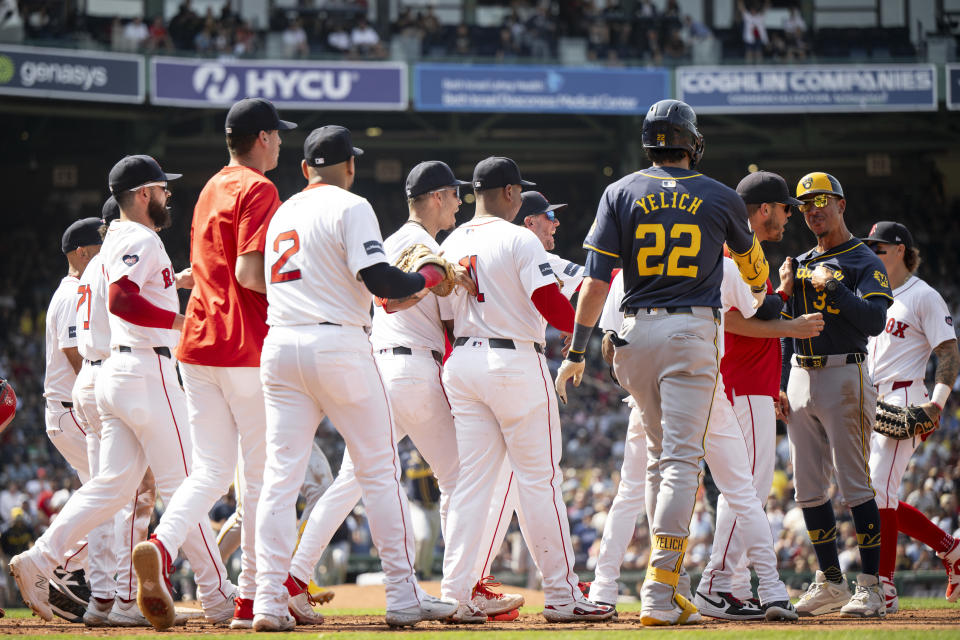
(725, 606)
(73, 584)
(780, 611)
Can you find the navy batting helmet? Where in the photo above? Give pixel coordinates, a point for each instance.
(672, 124)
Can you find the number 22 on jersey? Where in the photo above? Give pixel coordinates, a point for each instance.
(650, 260)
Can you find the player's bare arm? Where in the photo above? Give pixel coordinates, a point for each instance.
(806, 326)
(249, 272)
(73, 357)
(786, 277)
(948, 366)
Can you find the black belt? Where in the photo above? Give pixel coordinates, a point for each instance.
(499, 343)
(630, 312)
(160, 351)
(67, 405)
(95, 363)
(818, 362)
(332, 324)
(407, 351)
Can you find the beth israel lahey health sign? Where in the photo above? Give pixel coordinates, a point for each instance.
(818, 88)
(203, 83)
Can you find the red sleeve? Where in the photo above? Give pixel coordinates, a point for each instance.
(126, 303)
(555, 308)
(258, 206)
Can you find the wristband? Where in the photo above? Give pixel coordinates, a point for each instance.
(940, 394)
(581, 336)
(575, 356)
(783, 296)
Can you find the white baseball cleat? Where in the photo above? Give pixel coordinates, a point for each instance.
(823, 597)
(126, 614)
(33, 584)
(890, 598)
(491, 602)
(467, 613)
(867, 600)
(222, 612)
(271, 622)
(580, 610)
(951, 563)
(301, 607)
(433, 608)
(725, 606)
(97, 613)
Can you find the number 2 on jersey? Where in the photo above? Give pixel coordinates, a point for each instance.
(285, 276)
(659, 233)
(470, 264)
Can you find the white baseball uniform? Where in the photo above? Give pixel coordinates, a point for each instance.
(143, 415)
(569, 275)
(408, 347)
(917, 321)
(317, 360)
(504, 405)
(111, 543)
(726, 453)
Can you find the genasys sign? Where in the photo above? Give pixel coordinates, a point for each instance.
(67, 74)
(304, 85)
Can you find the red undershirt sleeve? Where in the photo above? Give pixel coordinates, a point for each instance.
(126, 302)
(555, 308)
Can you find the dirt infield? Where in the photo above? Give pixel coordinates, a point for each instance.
(352, 597)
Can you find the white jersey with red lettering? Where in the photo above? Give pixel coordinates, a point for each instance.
(61, 333)
(508, 263)
(419, 326)
(93, 322)
(343, 236)
(917, 321)
(135, 251)
(569, 274)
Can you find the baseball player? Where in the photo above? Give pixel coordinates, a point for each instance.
(142, 409)
(324, 258)
(918, 324)
(668, 223)
(408, 344)
(539, 215)
(497, 382)
(80, 243)
(219, 353)
(831, 397)
(113, 600)
(751, 374)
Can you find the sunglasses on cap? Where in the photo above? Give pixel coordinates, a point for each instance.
(818, 201)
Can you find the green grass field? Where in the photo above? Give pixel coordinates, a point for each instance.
(856, 631)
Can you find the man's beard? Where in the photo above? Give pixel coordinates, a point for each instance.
(159, 214)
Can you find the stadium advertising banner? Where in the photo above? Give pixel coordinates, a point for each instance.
(537, 89)
(186, 82)
(953, 86)
(69, 74)
(815, 88)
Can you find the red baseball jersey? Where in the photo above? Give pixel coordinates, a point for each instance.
(751, 366)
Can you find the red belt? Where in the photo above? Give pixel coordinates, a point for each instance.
(902, 384)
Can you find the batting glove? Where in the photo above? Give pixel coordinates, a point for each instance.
(568, 370)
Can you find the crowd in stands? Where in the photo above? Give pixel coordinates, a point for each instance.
(652, 33)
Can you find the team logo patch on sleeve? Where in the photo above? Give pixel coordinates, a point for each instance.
(372, 247)
(130, 260)
(72, 332)
(949, 321)
(571, 269)
(881, 277)
(545, 269)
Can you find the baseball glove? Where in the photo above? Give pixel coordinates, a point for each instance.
(902, 423)
(414, 257)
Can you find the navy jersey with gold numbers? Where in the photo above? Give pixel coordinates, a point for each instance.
(668, 225)
(858, 269)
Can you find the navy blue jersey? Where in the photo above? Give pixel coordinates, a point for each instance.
(668, 225)
(860, 271)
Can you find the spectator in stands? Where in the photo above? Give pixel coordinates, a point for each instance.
(184, 26)
(244, 39)
(18, 536)
(365, 41)
(295, 40)
(135, 35)
(462, 42)
(794, 32)
(433, 39)
(674, 48)
(338, 39)
(159, 38)
(10, 498)
(203, 42)
(695, 31)
(541, 30)
(755, 38)
(38, 23)
(598, 39)
(507, 47)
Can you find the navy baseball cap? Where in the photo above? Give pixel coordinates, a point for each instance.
(110, 210)
(429, 176)
(534, 203)
(253, 115)
(765, 186)
(82, 233)
(890, 233)
(135, 171)
(496, 171)
(329, 145)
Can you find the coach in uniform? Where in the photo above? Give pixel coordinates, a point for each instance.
(832, 400)
(668, 224)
